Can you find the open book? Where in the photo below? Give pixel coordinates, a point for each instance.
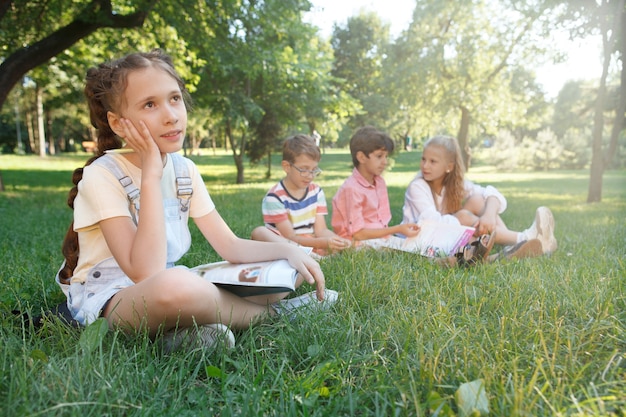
(435, 239)
(251, 278)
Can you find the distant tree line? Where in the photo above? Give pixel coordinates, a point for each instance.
(257, 72)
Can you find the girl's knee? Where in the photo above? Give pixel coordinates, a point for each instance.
(175, 288)
(466, 217)
(475, 204)
(258, 233)
(171, 297)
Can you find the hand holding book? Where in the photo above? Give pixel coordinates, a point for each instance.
(251, 278)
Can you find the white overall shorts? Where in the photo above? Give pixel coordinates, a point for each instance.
(87, 300)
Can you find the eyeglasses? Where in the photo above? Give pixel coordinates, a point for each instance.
(306, 172)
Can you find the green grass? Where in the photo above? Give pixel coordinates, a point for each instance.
(547, 335)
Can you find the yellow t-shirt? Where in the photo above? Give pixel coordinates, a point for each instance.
(101, 196)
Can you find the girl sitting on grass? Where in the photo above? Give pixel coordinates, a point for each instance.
(440, 193)
(123, 270)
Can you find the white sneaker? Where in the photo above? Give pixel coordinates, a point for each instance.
(206, 336)
(543, 229)
(308, 301)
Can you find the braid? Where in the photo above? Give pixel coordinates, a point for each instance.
(104, 90)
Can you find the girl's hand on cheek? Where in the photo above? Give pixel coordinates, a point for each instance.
(144, 145)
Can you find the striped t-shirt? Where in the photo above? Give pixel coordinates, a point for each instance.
(278, 205)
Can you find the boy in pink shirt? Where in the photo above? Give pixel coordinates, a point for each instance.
(361, 205)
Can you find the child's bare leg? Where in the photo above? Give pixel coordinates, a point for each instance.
(264, 234)
(475, 205)
(266, 300)
(504, 236)
(177, 297)
(466, 218)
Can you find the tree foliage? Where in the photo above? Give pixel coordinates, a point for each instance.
(606, 18)
(469, 63)
(258, 73)
(250, 64)
(360, 50)
(25, 47)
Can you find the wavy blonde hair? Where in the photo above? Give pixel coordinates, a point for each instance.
(453, 180)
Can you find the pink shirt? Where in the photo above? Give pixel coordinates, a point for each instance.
(360, 205)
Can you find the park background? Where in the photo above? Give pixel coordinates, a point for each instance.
(545, 335)
(259, 71)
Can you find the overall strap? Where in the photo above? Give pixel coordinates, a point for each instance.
(132, 192)
(184, 187)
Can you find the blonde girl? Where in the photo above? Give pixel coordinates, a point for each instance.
(439, 192)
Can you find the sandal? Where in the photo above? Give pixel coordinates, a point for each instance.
(465, 256)
(477, 251)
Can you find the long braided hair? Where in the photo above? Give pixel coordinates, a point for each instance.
(104, 90)
(453, 180)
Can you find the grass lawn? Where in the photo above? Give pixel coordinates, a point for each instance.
(547, 336)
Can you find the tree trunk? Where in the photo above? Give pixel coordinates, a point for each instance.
(238, 158)
(18, 127)
(239, 165)
(462, 136)
(268, 174)
(41, 131)
(620, 121)
(31, 132)
(52, 142)
(95, 15)
(594, 193)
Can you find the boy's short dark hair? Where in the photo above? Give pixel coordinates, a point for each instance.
(300, 144)
(368, 139)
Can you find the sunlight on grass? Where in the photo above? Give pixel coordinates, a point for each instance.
(66, 162)
(546, 335)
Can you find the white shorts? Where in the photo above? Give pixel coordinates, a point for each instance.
(87, 300)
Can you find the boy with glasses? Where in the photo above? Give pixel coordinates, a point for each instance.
(295, 208)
